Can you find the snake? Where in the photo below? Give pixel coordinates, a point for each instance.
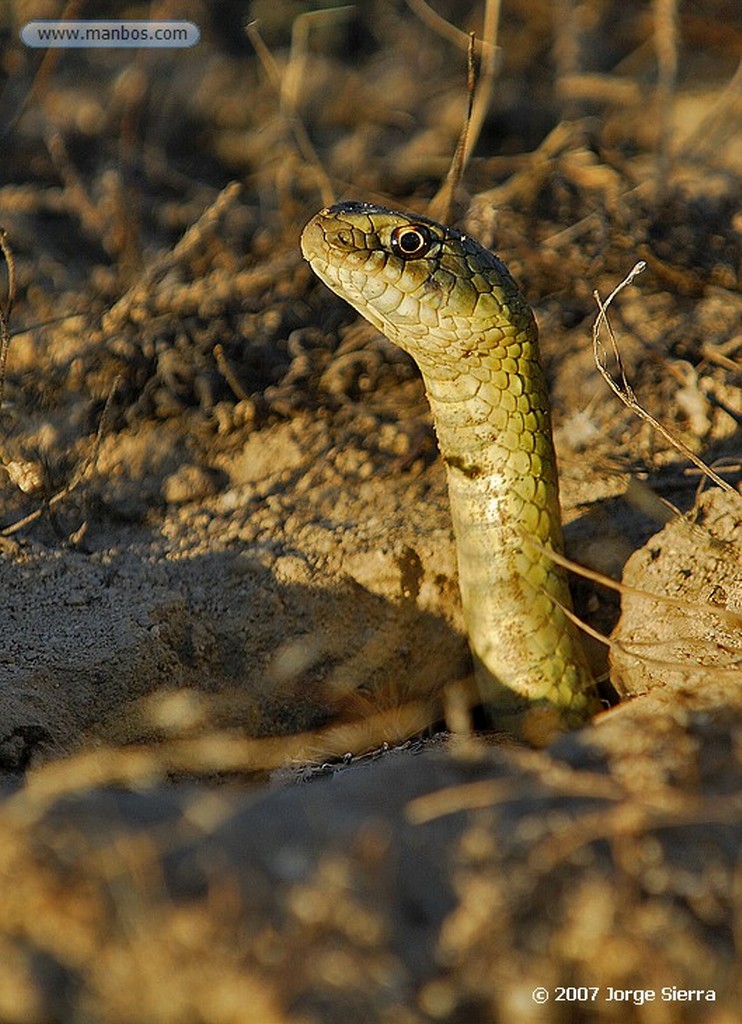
(454, 307)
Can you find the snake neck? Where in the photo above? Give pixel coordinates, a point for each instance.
(494, 433)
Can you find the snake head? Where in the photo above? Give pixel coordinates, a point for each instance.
(430, 289)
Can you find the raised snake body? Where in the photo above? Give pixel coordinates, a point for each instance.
(453, 306)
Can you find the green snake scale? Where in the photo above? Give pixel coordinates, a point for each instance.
(453, 306)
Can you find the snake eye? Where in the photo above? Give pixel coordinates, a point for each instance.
(411, 242)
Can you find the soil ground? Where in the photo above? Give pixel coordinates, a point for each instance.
(232, 645)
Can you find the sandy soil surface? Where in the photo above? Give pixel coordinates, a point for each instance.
(227, 563)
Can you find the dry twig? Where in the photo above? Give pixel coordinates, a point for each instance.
(5, 310)
(666, 46)
(440, 206)
(191, 239)
(85, 466)
(479, 89)
(288, 88)
(624, 391)
(214, 752)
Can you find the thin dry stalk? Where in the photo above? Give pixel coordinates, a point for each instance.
(441, 205)
(625, 392)
(438, 24)
(288, 93)
(490, 792)
(735, 618)
(487, 73)
(229, 375)
(666, 47)
(86, 466)
(479, 88)
(457, 36)
(567, 26)
(75, 192)
(721, 120)
(107, 218)
(665, 806)
(290, 85)
(215, 752)
(718, 353)
(192, 238)
(5, 310)
(46, 68)
(640, 649)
